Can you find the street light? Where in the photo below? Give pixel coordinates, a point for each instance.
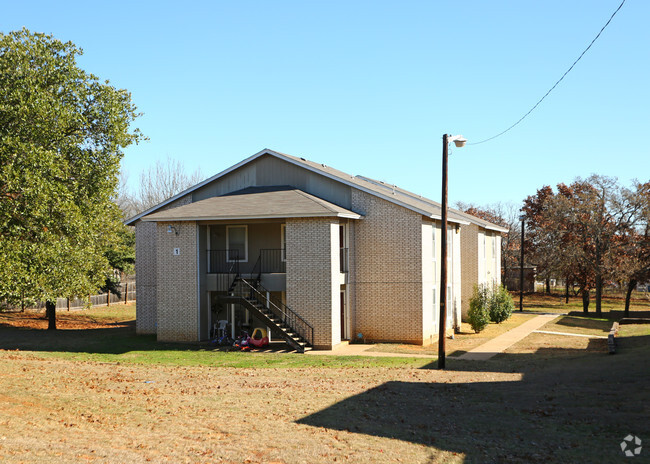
(459, 141)
(521, 266)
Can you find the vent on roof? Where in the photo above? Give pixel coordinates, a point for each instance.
(303, 159)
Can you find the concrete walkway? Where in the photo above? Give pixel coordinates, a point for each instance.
(362, 350)
(504, 341)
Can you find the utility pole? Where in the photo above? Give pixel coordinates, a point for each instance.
(443, 260)
(521, 266)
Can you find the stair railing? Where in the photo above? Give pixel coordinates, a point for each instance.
(279, 309)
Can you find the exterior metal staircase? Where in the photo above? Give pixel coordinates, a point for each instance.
(251, 295)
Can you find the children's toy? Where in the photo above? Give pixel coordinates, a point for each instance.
(259, 338)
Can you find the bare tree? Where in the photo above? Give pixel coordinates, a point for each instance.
(505, 215)
(124, 199)
(161, 181)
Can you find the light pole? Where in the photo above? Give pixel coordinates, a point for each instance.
(521, 266)
(459, 141)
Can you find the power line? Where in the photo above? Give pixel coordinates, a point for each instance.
(556, 84)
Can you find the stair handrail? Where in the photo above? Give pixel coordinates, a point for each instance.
(257, 269)
(286, 314)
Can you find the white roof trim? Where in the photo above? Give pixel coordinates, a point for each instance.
(259, 216)
(495, 228)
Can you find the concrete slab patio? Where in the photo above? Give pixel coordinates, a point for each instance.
(364, 350)
(504, 341)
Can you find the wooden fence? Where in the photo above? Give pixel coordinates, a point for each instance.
(127, 294)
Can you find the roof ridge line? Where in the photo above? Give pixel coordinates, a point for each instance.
(314, 199)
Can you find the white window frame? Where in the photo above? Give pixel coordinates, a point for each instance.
(245, 260)
(283, 242)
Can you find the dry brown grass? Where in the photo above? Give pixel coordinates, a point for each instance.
(542, 302)
(462, 342)
(560, 399)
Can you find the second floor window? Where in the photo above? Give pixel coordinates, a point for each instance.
(237, 243)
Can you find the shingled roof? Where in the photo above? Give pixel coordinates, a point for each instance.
(388, 192)
(255, 203)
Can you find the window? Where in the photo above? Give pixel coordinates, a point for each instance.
(237, 243)
(283, 242)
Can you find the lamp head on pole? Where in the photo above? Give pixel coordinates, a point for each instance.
(458, 140)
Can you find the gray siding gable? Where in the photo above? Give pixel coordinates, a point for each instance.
(267, 171)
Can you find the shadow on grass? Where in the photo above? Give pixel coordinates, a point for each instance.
(577, 409)
(577, 321)
(114, 340)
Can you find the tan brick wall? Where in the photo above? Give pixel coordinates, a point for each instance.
(387, 278)
(177, 298)
(469, 258)
(146, 244)
(312, 276)
(145, 266)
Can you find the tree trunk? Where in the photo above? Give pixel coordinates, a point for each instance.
(566, 291)
(548, 285)
(585, 300)
(599, 294)
(628, 296)
(50, 313)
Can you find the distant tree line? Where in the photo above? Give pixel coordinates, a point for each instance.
(589, 233)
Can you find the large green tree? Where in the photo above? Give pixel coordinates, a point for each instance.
(62, 135)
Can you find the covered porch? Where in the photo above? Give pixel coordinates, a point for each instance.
(270, 255)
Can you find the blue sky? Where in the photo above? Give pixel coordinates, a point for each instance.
(369, 87)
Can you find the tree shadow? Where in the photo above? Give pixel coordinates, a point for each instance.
(573, 320)
(576, 408)
(112, 338)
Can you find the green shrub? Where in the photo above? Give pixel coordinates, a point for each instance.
(500, 304)
(479, 314)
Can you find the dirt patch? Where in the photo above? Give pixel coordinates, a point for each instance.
(95, 318)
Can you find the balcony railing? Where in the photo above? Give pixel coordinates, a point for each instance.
(273, 260)
(269, 261)
(223, 262)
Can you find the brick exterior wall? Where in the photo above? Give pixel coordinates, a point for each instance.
(177, 294)
(146, 245)
(145, 271)
(312, 276)
(469, 258)
(387, 278)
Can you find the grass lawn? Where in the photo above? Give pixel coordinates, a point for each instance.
(95, 392)
(555, 303)
(107, 334)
